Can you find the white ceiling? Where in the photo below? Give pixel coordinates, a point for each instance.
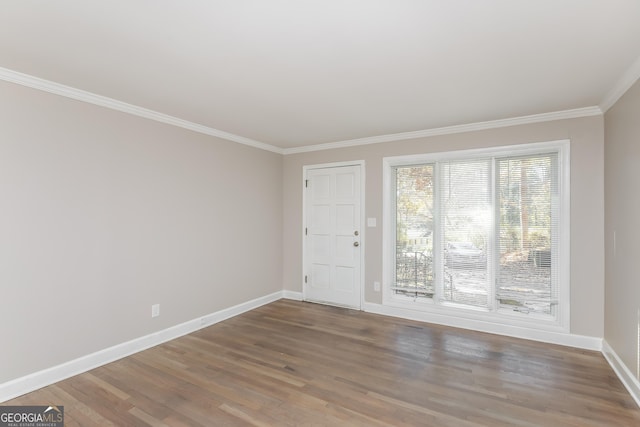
(297, 73)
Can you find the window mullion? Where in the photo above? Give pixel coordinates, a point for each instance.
(494, 236)
(394, 220)
(438, 260)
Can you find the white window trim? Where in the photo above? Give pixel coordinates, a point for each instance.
(501, 317)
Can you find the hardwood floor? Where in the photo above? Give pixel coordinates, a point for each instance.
(293, 363)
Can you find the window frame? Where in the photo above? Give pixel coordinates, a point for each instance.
(558, 323)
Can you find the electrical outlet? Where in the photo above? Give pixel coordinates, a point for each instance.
(155, 310)
(376, 286)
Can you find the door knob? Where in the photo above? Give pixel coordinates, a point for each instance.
(356, 244)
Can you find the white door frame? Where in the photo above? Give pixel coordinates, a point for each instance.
(361, 164)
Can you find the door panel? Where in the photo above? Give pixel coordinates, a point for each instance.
(345, 219)
(344, 279)
(345, 185)
(332, 251)
(320, 276)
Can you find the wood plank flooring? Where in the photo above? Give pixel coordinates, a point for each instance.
(299, 364)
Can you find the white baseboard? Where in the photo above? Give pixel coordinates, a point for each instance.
(629, 380)
(31, 382)
(293, 295)
(571, 340)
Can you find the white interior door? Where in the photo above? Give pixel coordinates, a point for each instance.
(333, 236)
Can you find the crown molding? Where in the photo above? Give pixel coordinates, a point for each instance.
(113, 104)
(470, 127)
(623, 84)
(84, 96)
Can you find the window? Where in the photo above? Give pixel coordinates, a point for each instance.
(484, 231)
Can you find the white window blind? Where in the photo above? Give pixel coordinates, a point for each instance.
(465, 221)
(528, 233)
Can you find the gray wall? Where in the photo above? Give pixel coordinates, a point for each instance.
(103, 214)
(622, 202)
(587, 204)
